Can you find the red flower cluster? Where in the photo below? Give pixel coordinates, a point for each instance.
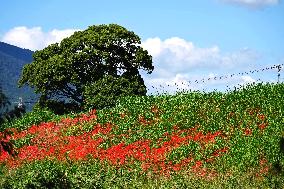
(247, 131)
(264, 168)
(49, 141)
(262, 126)
(261, 116)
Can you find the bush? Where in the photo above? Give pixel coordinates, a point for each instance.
(46, 174)
(31, 118)
(105, 92)
(58, 107)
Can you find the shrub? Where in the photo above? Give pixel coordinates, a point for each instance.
(58, 107)
(105, 92)
(46, 174)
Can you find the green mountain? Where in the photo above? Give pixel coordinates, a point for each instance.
(12, 60)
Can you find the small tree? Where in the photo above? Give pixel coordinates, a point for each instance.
(63, 70)
(4, 103)
(5, 144)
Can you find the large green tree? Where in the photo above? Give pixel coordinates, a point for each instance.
(63, 70)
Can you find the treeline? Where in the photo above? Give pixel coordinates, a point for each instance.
(5, 113)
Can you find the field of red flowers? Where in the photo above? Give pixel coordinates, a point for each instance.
(208, 138)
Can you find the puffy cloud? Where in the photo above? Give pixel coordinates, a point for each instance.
(170, 85)
(34, 38)
(253, 3)
(176, 55)
(179, 63)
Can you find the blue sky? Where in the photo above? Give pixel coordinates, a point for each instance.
(189, 39)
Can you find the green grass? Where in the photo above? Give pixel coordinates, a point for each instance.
(251, 120)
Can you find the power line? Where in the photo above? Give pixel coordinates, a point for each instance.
(225, 77)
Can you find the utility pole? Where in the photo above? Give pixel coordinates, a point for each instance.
(20, 103)
(279, 69)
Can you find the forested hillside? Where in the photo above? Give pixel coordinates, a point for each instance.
(12, 60)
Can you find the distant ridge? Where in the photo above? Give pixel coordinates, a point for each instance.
(16, 52)
(12, 61)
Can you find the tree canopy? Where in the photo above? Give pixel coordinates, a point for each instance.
(63, 70)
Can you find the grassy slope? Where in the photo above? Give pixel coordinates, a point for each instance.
(250, 120)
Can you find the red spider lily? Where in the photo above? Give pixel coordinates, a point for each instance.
(4, 155)
(176, 127)
(263, 170)
(18, 135)
(251, 112)
(176, 141)
(122, 115)
(6, 146)
(166, 134)
(198, 136)
(154, 109)
(264, 167)
(176, 167)
(209, 160)
(211, 137)
(186, 161)
(197, 164)
(66, 122)
(262, 161)
(262, 126)
(248, 132)
(33, 129)
(202, 172)
(145, 166)
(29, 153)
(142, 120)
(218, 152)
(261, 116)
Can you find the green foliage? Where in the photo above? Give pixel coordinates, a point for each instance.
(31, 118)
(4, 102)
(8, 115)
(232, 113)
(93, 174)
(61, 71)
(105, 92)
(58, 107)
(46, 174)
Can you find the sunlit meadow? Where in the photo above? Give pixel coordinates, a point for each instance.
(188, 140)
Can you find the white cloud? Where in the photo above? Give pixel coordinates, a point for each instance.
(170, 85)
(247, 79)
(179, 63)
(253, 3)
(176, 55)
(34, 38)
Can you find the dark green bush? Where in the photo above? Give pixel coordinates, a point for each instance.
(58, 107)
(31, 118)
(105, 92)
(45, 174)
